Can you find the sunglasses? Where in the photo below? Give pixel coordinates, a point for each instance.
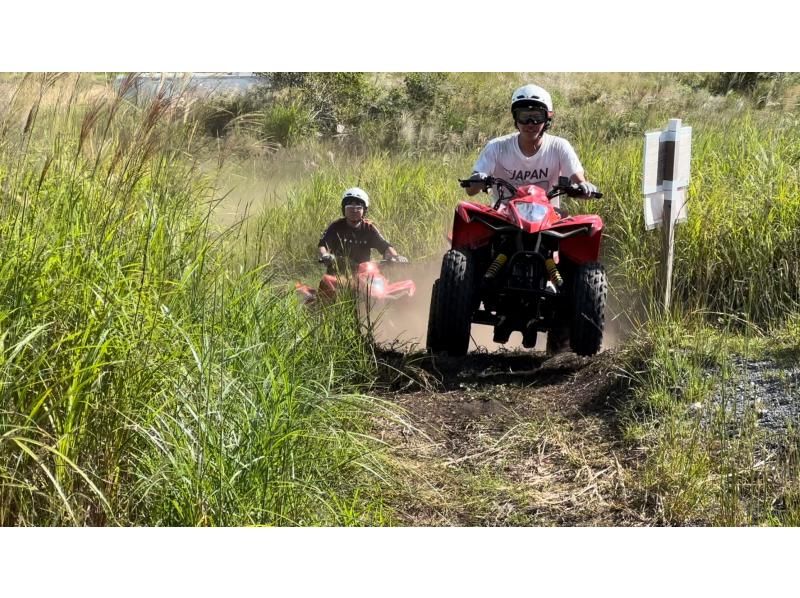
(354, 206)
(530, 118)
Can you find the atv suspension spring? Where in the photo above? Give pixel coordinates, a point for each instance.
(498, 263)
(552, 270)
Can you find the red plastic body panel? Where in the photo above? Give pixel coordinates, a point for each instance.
(368, 280)
(470, 228)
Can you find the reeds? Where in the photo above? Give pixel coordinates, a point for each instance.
(144, 380)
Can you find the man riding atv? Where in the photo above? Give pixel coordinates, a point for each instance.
(348, 241)
(530, 156)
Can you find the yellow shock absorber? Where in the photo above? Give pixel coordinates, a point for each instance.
(498, 263)
(552, 270)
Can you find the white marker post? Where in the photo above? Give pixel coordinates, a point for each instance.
(666, 178)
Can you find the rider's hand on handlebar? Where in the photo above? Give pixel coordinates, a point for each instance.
(587, 189)
(400, 259)
(327, 259)
(475, 179)
(478, 178)
(475, 183)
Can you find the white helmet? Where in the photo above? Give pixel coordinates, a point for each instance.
(531, 95)
(356, 193)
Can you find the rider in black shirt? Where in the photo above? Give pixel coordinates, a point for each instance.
(353, 237)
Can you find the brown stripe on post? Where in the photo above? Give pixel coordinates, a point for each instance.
(667, 170)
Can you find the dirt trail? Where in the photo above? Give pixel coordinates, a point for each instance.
(508, 438)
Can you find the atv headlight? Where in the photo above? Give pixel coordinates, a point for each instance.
(377, 285)
(532, 212)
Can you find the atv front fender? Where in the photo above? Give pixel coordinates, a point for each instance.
(582, 249)
(473, 225)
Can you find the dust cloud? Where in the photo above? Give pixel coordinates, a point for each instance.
(625, 312)
(404, 323)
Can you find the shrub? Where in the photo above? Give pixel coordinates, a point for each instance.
(424, 90)
(334, 98)
(763, 88)
(288, 122)
(217, 115)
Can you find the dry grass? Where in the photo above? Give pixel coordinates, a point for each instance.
(509, 454)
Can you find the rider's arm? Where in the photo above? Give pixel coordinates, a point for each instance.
(578, 177)
(377, 241)
(327, 240)
(485, 163)
(570, 163)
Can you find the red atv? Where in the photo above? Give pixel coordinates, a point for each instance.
(520, 266)
(365, 278)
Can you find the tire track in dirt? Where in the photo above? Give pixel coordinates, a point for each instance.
(508, 438)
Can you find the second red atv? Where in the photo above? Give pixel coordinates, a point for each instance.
(365, 278)
(519, 266)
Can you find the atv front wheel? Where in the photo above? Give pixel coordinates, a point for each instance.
(589, 293)
(452, 305)
(432, 341)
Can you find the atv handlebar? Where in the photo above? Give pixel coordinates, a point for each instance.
(564, 187)
(487, 182)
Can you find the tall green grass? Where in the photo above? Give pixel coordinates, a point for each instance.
(146, 381)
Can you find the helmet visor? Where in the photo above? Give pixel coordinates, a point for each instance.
(530, 117)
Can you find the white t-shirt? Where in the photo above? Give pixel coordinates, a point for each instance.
(502, 158)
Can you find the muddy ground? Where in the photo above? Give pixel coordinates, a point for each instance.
(508, 438)
(523, 439)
